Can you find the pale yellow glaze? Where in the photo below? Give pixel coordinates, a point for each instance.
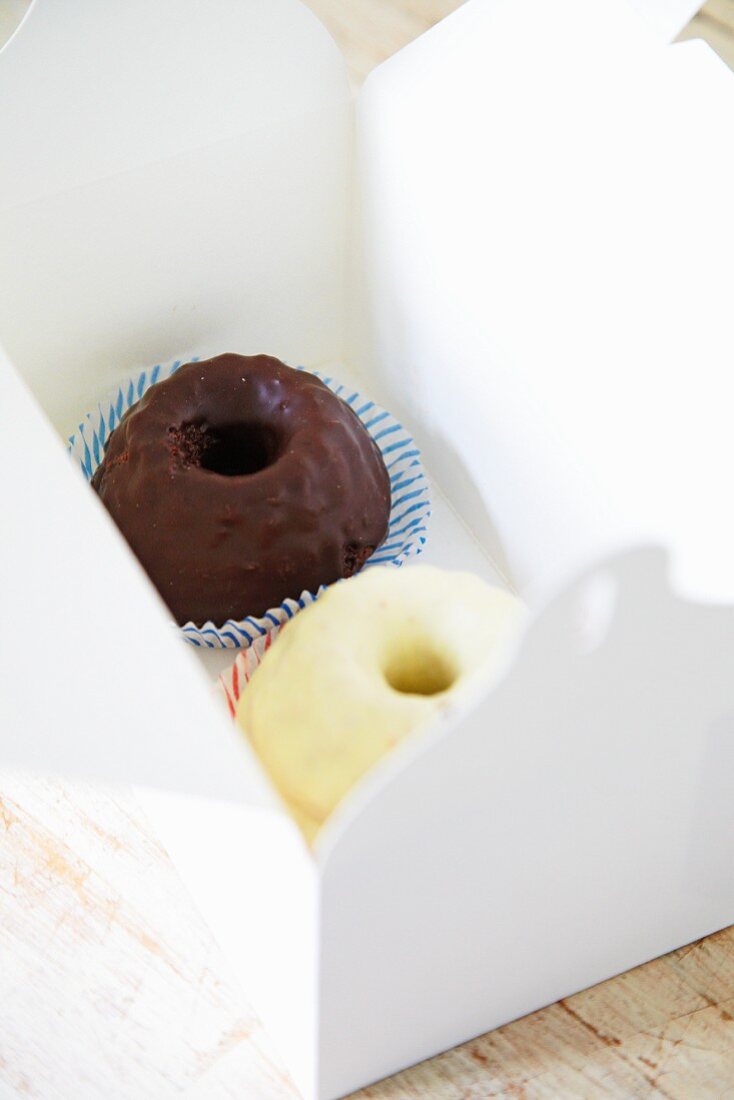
(374, 659)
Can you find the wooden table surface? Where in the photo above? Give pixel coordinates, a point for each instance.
(111, 986)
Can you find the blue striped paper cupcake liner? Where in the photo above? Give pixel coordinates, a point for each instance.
(410, 499)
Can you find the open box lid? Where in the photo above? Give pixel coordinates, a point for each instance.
(550, 301)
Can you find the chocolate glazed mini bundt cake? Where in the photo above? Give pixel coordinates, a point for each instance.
(240, 481)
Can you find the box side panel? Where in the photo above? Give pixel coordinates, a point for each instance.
(253, 880)
(237, 247)
(547, 239)
(89, 90)
(576, 824)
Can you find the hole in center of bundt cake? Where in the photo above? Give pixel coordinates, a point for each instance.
(237, 449)
(230, 450)
(419, 670)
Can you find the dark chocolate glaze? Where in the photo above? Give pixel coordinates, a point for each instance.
(240, 481)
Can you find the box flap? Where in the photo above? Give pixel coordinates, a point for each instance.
(94, 680)
(548, 242)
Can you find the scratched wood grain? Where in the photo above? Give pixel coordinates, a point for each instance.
(111, 986)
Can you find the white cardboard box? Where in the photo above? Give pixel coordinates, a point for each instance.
(520, 241)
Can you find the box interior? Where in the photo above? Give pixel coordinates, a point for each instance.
(527, 284)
